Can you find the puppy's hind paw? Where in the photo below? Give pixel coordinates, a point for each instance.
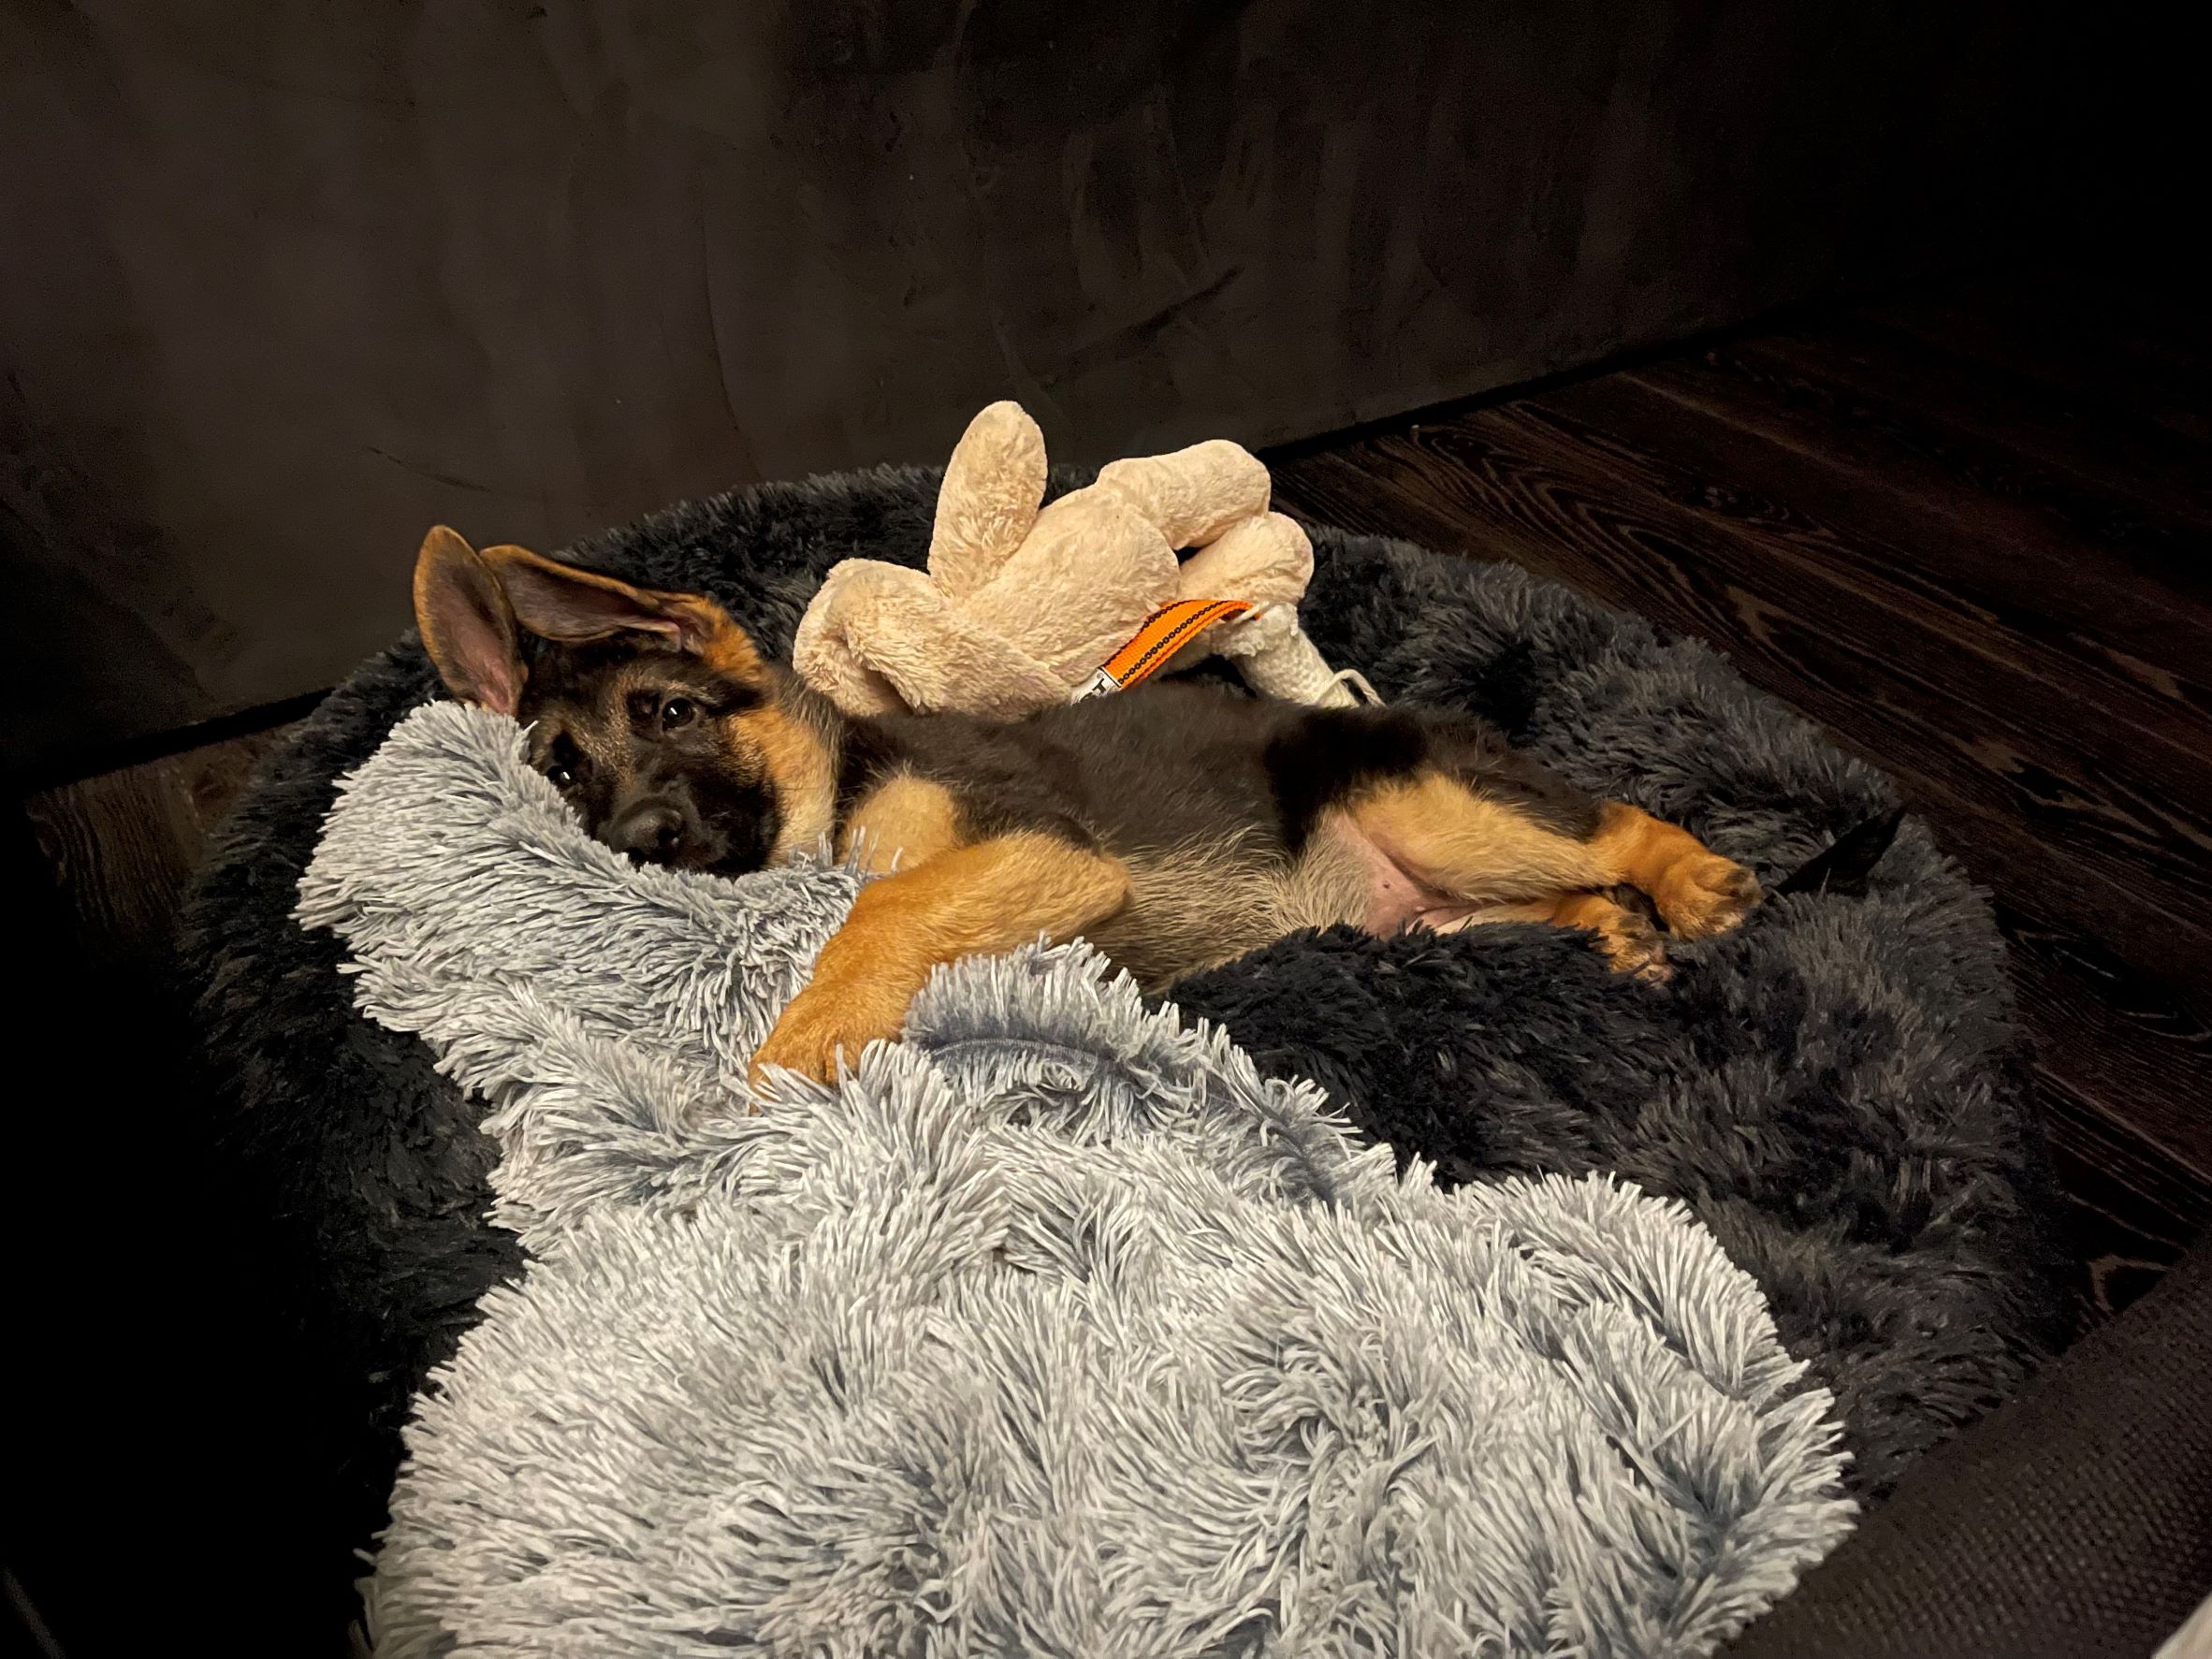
(1706, 894)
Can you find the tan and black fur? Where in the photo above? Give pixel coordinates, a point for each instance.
(1175, 826)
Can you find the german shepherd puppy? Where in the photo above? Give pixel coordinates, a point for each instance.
(1175, 826)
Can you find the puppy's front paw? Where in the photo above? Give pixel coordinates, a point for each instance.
(827, 1020)
(1706, 894)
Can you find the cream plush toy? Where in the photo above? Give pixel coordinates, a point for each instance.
(1020, 607)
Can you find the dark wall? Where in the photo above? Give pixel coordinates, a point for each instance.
(287, 280)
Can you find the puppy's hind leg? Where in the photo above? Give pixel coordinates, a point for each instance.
(1497, 856)
(1472, 848)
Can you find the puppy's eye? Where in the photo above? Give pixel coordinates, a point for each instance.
(678, 713)
(560, 777)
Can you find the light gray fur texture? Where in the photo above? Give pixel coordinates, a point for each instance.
(1056, 1329)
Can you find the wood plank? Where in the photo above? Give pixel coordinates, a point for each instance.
(2110, 1039)
(2123, 354)
(2127, 1217)
(2157, 307)
(2124, 549)
(2111, 456)
(1987, 524)
(122, 845)
(2028, 599)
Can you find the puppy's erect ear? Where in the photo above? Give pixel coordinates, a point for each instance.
(466, 622)
(558, 602)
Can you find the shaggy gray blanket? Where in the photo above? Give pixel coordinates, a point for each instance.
(1056, 1329)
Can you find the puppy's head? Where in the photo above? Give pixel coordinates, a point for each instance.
(652, 713)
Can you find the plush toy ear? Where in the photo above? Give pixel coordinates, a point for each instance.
(466, 622)
(558, 602)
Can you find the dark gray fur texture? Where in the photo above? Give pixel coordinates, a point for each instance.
(1833, 1090)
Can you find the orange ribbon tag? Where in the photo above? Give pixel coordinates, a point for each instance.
(1165, 632)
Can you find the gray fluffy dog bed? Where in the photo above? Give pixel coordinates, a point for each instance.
(1832, 1092)
(1057, 1328)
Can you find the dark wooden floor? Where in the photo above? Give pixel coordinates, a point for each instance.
(1969, 531)
(121, 845)
(1966, 530)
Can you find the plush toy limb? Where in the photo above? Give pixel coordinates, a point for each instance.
(1194, 494)
(989, 499)
(1277, 660)
(944, 661)
(1267, 562)
(1262, 560)
(822, 651)
(880, 637)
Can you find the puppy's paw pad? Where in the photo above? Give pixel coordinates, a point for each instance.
(1708, 894)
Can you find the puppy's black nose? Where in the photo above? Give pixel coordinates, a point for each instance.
(649, 833)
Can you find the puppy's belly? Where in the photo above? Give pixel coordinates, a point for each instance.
(1195, 908)
(1378, 893)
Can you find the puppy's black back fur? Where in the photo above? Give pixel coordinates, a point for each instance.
(1174, 765)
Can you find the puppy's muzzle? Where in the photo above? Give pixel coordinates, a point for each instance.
(651, 832)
